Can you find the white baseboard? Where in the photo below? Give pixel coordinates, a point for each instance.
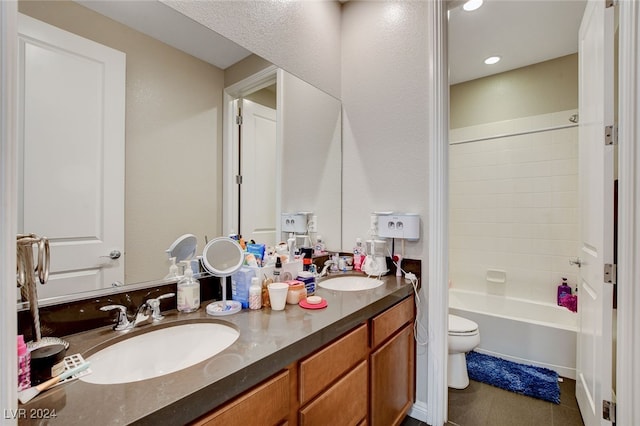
(418, 411)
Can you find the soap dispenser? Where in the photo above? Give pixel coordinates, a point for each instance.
(188, 292)
(173, 270)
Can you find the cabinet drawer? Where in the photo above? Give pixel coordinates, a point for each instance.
(321, 369)
(344, 403)
(267, 404)
(391, 320)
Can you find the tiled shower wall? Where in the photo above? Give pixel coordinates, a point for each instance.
(514, 206)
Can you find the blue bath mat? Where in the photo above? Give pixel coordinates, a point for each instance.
(536, 382)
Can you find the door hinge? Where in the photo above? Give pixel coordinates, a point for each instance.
(239, 120)
(239, 179)
(610, 273)
(611, 135)
(609, 411)
(609, 3)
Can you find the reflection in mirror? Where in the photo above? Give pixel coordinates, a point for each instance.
(173, 127)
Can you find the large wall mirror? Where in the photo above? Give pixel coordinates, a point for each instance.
(174, 126)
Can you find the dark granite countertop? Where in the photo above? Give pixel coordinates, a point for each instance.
(269, 341)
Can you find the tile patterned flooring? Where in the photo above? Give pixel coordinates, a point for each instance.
(485, 405)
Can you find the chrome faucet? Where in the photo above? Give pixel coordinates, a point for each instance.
(151, 306)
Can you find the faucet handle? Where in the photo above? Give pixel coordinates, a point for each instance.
(154, 304)
(122, 322)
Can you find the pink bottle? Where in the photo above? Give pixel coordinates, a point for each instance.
(24, 365)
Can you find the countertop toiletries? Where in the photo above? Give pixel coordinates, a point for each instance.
(309, 281)
(319, 247)
(173, 270)
(563, 290)
(277, 270)
(358, 255)
(188, 292)
(28, 394)
(255, 294)
(240, 283)
(44, 362)
(296, 292)
(24, 365)
(291, 245)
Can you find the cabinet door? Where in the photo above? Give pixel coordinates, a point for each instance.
(343, 404)
(267, 404)
(392, 379)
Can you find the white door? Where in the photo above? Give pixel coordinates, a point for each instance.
(258, 170)
(596, 182)
(71, 148)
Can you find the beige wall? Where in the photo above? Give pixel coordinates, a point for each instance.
(541, 88)
(173, 182)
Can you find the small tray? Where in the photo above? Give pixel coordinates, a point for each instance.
(306, 305)
(222, 308)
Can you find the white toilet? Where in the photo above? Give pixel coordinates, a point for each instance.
(464, 336)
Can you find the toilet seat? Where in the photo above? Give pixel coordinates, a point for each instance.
(459, 326)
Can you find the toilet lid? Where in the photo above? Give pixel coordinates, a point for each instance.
(461, 325)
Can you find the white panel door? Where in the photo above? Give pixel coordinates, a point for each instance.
(71, 166)
(596, 186)
(258, 170)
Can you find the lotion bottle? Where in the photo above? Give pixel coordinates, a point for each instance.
(188, 292)
(255, 294)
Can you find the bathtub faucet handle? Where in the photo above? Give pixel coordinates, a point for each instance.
(575, 261)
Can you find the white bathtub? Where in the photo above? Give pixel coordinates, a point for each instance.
(520, 330)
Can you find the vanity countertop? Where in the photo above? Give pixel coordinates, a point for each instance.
(269, 341)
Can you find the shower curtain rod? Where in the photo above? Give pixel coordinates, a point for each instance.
(505, 135)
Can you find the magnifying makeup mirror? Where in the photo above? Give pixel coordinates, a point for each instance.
(183, 248)
(222, 257)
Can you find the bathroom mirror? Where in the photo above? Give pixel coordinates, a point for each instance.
(173, 138)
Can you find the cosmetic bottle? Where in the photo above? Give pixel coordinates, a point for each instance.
(24, 365)
(188, 292)
(358, 255)
(255, 294)
(277, 270)
(563, 290)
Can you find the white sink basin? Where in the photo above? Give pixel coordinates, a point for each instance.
(159, 352)
(350, 283)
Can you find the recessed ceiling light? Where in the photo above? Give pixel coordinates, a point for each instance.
(492, 60)
(472, 5)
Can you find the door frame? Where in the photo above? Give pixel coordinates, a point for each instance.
(230, 153)
(628, 332)
(628, 321)
(9, 201)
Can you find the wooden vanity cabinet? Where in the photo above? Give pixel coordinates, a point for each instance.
(266, 404)
(392, 365)
(334, 382)
(365, 377)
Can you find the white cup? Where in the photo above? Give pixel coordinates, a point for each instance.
(278, 295)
